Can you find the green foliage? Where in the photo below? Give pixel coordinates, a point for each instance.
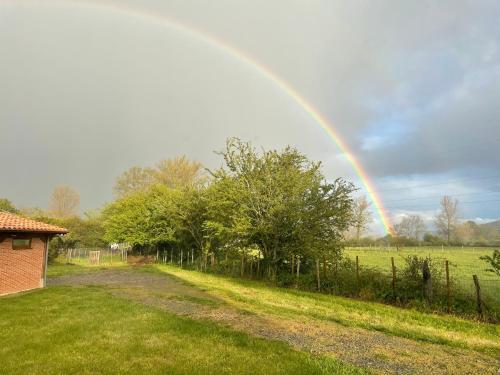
(276, 202)
(83, 232)
(493, 261)
(410, 278)
(6, 205)
(143, 218)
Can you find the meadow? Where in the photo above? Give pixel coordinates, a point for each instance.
(463, 263)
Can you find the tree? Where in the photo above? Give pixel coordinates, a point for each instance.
(362, 216)
(83, 232)
(447, 219)
(179, 173)
(467, 231)
(126, 220)
(267, 206)
(191, 213)
(278, 201)
(412, 227)
(6, 205)
(144, 218)
(64, 202)
(34, 212)
(133, 180)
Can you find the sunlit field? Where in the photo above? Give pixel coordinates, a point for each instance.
(463, 263)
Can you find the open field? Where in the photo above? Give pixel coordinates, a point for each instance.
(204, 311)
(463, 263)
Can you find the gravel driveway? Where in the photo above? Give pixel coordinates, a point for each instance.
(373, 350)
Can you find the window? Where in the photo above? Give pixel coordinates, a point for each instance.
(21, 243)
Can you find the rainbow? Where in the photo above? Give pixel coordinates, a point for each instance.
(264, 71)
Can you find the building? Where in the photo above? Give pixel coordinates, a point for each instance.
(23, 252)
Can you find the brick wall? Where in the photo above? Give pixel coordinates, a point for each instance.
(21, 269)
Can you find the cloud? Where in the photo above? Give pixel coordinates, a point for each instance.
(413, 88)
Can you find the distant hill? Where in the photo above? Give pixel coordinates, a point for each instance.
(489, 233)
(492, 225)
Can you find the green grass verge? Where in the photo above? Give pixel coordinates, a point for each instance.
(64, 330)
(60, 268)
(258, 297)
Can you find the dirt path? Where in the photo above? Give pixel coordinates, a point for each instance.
(373, 350)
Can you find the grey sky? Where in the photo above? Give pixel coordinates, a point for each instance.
(413, 87)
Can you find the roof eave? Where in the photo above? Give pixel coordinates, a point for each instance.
(6, 230)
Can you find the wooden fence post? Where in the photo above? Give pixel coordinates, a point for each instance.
(393, 277)
(317, 275)
(448, 292)
(242, 271)
(257, 272)
(298, 272)
(357, 271)
(293, 263)
(181, 257)
(478, 296)
(427, 281)
(324, 267)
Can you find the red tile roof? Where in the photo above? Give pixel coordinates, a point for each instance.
(15, 223)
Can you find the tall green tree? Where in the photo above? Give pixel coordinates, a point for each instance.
(144, 218)
(279, 201)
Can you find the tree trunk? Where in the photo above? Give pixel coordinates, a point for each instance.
(324, 267)
(317, 275)
(298, 272)
(242, 271)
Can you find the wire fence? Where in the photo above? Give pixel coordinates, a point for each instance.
(95, 256)
(459, 280)
(460, 269)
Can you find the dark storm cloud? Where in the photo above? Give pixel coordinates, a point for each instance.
(413, 87)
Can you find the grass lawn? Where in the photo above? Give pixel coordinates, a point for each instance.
(86, 330)
(61, 268)
(257, 297)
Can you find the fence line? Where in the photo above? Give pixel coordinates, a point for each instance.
(95, 256)
(454, 282)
